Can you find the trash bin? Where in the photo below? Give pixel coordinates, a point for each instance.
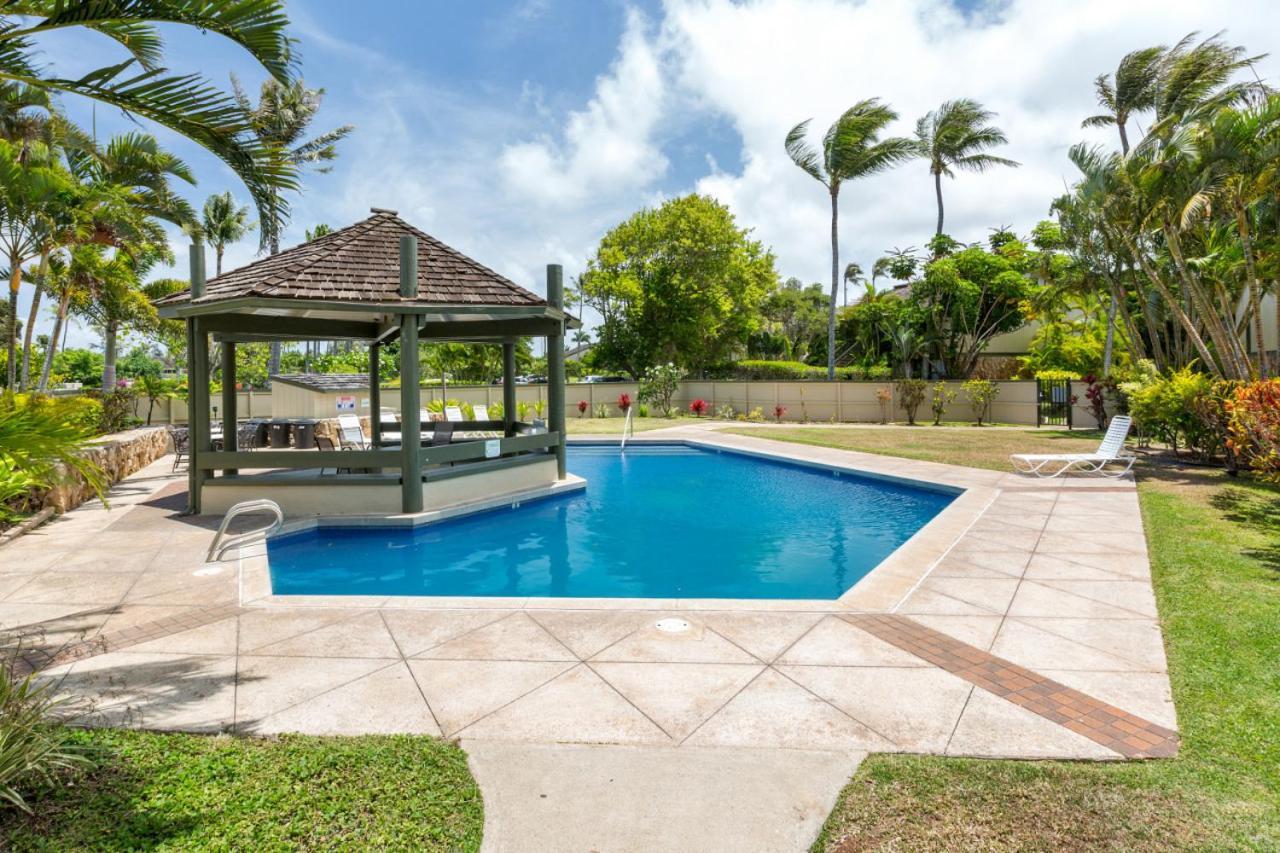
(304, 433)
(262, 430)
(278, 434)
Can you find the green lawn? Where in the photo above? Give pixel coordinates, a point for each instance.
(184, 792)
(1215, 551)
(613, 426)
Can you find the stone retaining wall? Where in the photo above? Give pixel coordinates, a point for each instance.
(119, 455)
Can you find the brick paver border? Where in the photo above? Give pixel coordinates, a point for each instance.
(1127, 734)
(34, 659)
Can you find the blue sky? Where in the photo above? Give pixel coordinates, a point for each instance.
(520, 131)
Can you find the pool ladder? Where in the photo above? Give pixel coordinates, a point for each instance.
(628, 428)
(219, 547)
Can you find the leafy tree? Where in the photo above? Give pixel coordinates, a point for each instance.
(958, 135)
(223, 222)
(967, 299)
(852, 275)
(681, 283)
(317, 232)
(851, 149)
(794, 315)
(141, 86)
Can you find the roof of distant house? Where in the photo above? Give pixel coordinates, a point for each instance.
(325, 381)
(361, 263)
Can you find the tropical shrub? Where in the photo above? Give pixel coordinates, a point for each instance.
(1095, 392)
(1169, 408)
(33, 747)
(523, 410)
(779, 412)
(1253, 427)
(698, 407)
(659, 385)
(884, 396)
(602, 411)
(642, 410)
(583, 405)
(40, 444)
(910, 395)
(981, 393)
(942, 397)
(725, 412)
(624, 402)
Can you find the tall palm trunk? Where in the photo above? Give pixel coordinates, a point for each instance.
(937, 191)
(835, 282)
(15, 282)
(32, 316)
(109, 358)
(217, 258)
(1111, 335)
(1255, 286)
(1227, 342)
(64, 305)
(1171, 301)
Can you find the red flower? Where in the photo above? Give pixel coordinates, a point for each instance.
(698, 407)
(583, 405)
(624, 401)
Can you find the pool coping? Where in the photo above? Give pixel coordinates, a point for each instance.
(882, 589)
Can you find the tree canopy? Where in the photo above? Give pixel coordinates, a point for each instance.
(680, 283)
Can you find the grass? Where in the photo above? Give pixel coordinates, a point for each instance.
(182, 792)
(613, 426)
(1215, 555)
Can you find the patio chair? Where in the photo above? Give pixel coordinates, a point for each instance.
(442, 434)
(247, 436)
(350, 433)
(181, 437)
(481, 412)
(454, 414)
(323, 442)
(387, 418)
(1109, 452)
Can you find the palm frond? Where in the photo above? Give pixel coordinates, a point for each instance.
(803, 154)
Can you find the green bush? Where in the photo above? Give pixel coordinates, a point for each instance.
(1053, 375)
(942, 397)
(910, 395)
(981, 393)
(658, 385)
(1171, 409)
(40, 442)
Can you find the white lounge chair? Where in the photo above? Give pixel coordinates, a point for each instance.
(454, 414)
(350, 433)
(389, 427)
(1109, 452)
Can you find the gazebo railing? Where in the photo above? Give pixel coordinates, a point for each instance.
(389, 459)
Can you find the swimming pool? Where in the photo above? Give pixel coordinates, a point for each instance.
(658, 521)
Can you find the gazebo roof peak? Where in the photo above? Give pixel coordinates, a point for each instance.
(360, 264)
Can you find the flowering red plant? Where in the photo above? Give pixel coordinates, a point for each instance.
(779, 412)
(698, 407)
(583, 405)
(624, 401)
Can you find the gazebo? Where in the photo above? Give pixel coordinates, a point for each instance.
(374, 282)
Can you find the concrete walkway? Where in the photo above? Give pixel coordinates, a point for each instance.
(1031, 633)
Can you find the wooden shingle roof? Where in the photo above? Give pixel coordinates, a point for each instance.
(361, 263)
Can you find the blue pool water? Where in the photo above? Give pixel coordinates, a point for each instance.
(666, 521)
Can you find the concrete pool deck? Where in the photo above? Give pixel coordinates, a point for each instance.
(1027, 630)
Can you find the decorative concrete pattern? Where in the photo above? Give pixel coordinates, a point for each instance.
(1129, 735)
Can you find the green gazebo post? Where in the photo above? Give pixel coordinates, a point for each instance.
(555, 363)
(410, 392)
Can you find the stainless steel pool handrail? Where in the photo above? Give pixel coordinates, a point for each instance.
(217, 548)
(628, 428)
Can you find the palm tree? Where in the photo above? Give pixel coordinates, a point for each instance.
(31, 195)
(880, 267)
(851, 149)
(1131, 90)
(957, 135)
(223, 222)
(185, 103)
(280, 120)
(852, 274)
(316, 233)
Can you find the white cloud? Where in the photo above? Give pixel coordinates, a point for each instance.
(609, 146)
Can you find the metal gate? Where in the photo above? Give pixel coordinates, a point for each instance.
(1053, 402)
